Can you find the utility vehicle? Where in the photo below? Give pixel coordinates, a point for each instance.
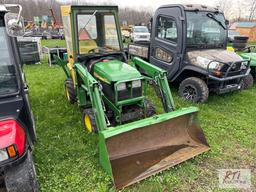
(189, 42)
(17, 127)
(134, 141)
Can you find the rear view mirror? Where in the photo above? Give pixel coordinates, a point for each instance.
(14, 24)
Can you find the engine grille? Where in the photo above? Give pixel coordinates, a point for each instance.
(128, 93)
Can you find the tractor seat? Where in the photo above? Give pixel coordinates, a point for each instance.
(92, 62)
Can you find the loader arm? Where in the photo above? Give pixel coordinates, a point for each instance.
(159, 77)
(90, 87)
(63, 64)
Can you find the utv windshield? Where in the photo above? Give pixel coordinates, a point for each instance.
(97, 32)
(8, 81)
(206, 29)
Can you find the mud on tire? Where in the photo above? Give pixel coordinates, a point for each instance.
(194, 89)
(22, 178)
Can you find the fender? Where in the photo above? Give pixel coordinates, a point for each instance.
(189, 67)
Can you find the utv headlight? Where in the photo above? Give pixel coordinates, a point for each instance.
(3, 155)
(216, 65)
(136, 84)
(121, 87)
(204, 62)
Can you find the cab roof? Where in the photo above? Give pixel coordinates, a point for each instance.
(194, 7)
(92, 7)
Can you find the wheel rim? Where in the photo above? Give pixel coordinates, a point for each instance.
(87, 122)
(190, 92)
(67, 94)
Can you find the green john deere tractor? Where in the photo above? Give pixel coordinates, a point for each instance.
(248, 52)
(134, 141)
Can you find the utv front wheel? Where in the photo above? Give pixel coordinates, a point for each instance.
(194, 89)
(89, 120)
(22, 178)
(247, 82)
(70, 91)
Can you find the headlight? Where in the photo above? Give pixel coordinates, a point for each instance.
(216, 65)
(204, 62)
(121, 87)
(136, 84)
(3, 155)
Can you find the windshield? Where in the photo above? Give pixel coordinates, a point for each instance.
(205, 29)
(140, 29)
(8, 81)
(97, 32)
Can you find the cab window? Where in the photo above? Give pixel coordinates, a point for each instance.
(97, 32)
(166, 29)
(8, 80)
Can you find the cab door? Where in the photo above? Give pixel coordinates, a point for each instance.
(167, 39)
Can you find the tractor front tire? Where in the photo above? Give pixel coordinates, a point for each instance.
(89, 120)
(150, 108)
(22, 178)
(247, 82)
(70, 91)
(194, 89)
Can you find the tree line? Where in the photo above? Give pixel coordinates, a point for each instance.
(33, 8)
(235, 10)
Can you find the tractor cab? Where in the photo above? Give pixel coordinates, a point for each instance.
(95, 30)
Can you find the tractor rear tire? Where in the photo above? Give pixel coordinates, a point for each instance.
(194, 89)
(22, 178)
(89, 120)
(247, 82)
(150, 108)
(70, 91)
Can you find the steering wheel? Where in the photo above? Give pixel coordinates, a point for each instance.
(97, 50)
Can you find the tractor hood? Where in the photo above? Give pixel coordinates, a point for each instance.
(252, 56)
(203, 57)
(115, 70)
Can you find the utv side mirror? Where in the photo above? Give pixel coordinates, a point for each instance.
(14, 24)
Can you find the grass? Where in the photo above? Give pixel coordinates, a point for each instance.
(66, 156)
(54, 43)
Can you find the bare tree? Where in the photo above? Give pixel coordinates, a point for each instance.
(252, 10)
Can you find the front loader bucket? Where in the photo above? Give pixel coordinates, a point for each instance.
(134, 151)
